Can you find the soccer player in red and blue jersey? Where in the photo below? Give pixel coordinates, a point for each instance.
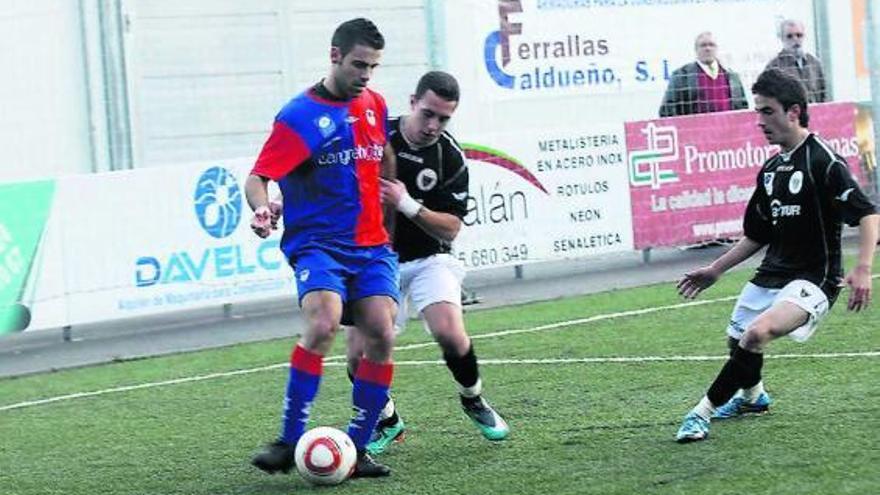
(327, 149)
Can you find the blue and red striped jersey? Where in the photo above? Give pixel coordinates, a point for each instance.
(326, 156)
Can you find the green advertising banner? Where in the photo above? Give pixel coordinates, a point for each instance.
(24, 209)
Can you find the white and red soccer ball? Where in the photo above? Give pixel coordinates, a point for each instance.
(325, 456)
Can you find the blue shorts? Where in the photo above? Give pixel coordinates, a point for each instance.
(352, 272)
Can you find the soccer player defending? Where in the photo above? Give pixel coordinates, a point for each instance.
(430, 197)
(804, 194)
(325, 151)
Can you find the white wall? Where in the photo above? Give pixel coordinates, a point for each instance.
(43, 104)
(206, 77)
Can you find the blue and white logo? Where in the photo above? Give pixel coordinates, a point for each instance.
(218, 202)
(325, 125)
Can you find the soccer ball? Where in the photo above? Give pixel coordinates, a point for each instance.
(325, 456)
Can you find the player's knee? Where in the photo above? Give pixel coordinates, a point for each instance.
(448, 334)
(323, 329)
(756, 336)
(378, 345)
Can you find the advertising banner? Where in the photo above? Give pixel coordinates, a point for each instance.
(545, 195)
(691, 177)
(24, 210)
(541, 48)
(98, 247)
(160, 239)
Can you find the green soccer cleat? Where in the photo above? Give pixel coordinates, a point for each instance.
(385, 435)
(490, 423)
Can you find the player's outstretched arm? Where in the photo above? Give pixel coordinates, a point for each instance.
(859, 279)
(701, 279)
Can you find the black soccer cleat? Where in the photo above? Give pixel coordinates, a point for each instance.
(366, 467)
(276, 456)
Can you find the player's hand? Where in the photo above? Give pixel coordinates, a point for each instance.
(697, 281)
(262, 224)
(859, 283)
(392, 191)
(275, 209)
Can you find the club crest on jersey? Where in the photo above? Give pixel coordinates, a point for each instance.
(768, 182)
(325, 125)
(796, 182)
(371, 116)
(426, 179)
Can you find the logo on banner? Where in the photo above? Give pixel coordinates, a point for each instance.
(646, 167)
(497, 205)
(501, 38)
(218, 207)
(541, 63)
(218, 202)
(501, 159)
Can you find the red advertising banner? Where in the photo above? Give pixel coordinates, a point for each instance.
(691, 177)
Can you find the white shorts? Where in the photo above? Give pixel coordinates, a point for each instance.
(426, 281)
(754, 300)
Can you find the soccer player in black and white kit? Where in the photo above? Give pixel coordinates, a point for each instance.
(804, 195)
(430, 197)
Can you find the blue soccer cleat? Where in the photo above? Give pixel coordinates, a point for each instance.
(738, 406)
(693, 429)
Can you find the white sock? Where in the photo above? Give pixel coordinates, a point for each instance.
(752, 394)
(388, 410)
(705, 409)
(472, 391)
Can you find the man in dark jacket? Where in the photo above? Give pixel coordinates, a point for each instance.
(703, 86)
(800, 64)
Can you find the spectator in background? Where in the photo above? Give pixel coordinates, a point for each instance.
(703, 86)
(795, 61)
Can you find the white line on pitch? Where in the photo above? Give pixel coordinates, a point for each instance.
(564, 324)
(334, 360)
(635, 359)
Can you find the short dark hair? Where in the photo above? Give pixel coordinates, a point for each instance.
(358, 31)
(787, 89)
(441, 83)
